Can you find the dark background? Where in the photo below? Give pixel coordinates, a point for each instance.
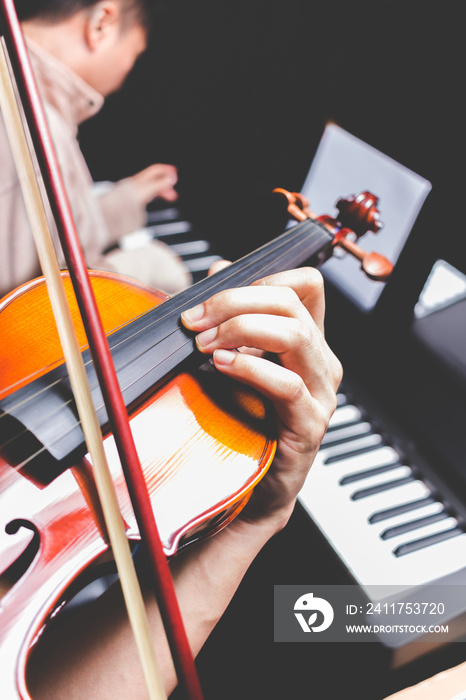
(237, 94)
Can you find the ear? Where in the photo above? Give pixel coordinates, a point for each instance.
(102, 23)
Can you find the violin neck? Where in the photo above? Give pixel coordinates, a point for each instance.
(159, 341)
(309, 241)
(145, 352)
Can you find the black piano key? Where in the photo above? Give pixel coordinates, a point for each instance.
(424, 542)
(357, 476)
(341, 400)
(400, 509)
(364, 493)
(332, 439)
(331, 459)
(413, 525)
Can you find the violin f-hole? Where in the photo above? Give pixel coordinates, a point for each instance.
(21, 564)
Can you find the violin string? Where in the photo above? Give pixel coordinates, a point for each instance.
(29, 378)
(160, 340)
(4, 414)
(122, 366)
(290, 249)
(45, 418)
(215, 283)
(175, 311)
(172, 312)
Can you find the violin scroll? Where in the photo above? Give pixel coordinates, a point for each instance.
(359, 213)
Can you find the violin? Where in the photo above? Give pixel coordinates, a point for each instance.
(204, 441)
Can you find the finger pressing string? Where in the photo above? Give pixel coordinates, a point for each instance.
(308, 285)
(273, 301)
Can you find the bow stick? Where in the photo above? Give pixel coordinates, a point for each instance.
(35, 116)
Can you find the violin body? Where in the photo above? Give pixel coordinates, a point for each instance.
(204, 443)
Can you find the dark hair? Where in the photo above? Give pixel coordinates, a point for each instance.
(133, 11)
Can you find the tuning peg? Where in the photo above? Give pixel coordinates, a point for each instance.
(298, 205)
(358, 214)
(377, 267)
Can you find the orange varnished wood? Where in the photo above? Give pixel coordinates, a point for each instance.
(204, 443)
(28, 330)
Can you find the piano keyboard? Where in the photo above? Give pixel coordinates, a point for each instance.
(168, 226)
(386, 521)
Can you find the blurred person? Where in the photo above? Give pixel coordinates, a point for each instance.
(81, 51)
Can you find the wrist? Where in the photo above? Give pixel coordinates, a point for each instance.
(262, 526)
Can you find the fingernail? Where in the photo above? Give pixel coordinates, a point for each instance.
(193, 315)
(206, 337)
(223, 357)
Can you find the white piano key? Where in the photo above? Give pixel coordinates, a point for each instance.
(197, 264)
(379, 457)
(412, 491)
(419, 533)
(377, 479)
(345, 523)
(345, 414)
(360, 443)
(157, 216)
(400, 508)
(390, 499)
(408, 517)
(341, 399)
(172, 228)
(415, 569)
(345, 433)
(407, 548)
(389, 562)
(191, 247)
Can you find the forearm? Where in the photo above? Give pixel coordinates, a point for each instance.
(207, 577)
(95, 655)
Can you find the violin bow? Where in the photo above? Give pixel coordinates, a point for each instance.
(86, 411)
(13, 40)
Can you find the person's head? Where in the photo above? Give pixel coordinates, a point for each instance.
(99, 39)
